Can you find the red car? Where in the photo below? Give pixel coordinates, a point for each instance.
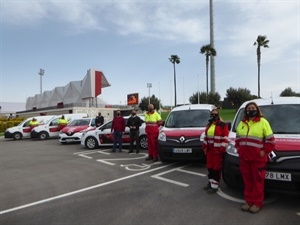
(73, 131)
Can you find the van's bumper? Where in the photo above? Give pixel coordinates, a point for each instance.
(8, 134)
(232, 175)
(166, 152)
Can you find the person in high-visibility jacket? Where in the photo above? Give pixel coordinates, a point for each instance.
(153, 121)
(214, 146)
(254, 141)
(33, 123)
(62, 122)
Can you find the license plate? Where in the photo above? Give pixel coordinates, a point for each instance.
(182, 150)
(69, 140)
(278, 176)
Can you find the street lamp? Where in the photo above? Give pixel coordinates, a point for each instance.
(149, 85)
(41, 73)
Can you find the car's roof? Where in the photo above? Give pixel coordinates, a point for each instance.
(274, 101)
(82, 119)
(194, 107)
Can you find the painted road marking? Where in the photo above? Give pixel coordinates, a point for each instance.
(81, 190)
(136, 167)
(158, 176)
(85, 156)
(106, 161)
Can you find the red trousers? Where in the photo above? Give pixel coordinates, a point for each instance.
(253, 174)
(152, 145)
(214, 162)
(214, 159)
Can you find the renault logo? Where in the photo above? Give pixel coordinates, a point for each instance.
(181, 139)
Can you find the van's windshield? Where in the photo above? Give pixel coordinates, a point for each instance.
(284, 119)
(187, 118)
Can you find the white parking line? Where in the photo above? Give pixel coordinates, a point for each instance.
(194, 173)
(105, 162)
(81, 190)
(158, 176)
(84, 156)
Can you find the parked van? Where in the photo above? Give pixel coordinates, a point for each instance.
(23, 129)
(179, 138)
(51, 128)
(283, 168)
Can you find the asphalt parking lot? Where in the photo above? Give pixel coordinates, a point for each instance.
(44, 182)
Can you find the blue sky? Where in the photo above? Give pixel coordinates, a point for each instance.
(131, 42)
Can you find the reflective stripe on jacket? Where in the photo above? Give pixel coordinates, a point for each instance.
(219, 139)
(153, 121)
(252, 137)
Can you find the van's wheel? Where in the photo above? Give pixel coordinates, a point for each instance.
(17, 136)
(43, 135)
(143, 142)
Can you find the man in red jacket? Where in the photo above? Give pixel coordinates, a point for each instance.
(118, 128)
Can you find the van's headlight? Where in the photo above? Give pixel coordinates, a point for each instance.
(162, 136)
(231, 150)
(202, 137)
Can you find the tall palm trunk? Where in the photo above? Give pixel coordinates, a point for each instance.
(258, 67)
(175, 91)
(207, 62)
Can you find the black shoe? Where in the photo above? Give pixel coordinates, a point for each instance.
(212, 190)
(130, 152)
(112, 151)
(137, 151)
(207, 187)
(155, 160)
(149, 158)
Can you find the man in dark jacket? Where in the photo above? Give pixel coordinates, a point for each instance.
(134, 122)
(99, 120)
(118, 128)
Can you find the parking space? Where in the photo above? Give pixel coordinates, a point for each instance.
(49, 180)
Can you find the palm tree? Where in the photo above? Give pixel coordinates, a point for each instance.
(208, 50)
(261, 41)
(175, 59)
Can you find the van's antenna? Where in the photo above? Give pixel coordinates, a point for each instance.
(272, 99)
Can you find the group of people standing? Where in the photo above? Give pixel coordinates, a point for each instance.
(153, 121)
(254, 141)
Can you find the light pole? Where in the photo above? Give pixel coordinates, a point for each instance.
(41, 73)
(149, 85)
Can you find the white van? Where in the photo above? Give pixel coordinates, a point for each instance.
(178, 138)
(283, 167)
(23, 129)
(51, 128)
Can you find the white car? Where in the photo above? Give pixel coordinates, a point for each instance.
(102, 136)
(74, 130)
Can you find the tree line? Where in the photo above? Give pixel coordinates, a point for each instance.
(236, 96)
